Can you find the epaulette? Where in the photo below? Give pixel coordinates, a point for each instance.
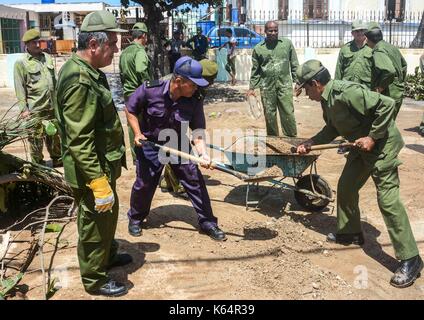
(84, 77)
(153, 83)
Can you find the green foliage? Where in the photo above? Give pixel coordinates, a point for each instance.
(53, 227)
(8, 284)
(415, 85)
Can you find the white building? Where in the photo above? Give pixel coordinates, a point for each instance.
(61, 20)
(13, 23)
(323, 9)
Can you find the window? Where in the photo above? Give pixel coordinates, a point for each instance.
(46, 22)
(10, 41)
(212, 33)
(395, 9)
(283, 9)
(221, 32)
(243, 33)
(315, 9)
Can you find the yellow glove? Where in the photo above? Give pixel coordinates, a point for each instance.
(103, 194)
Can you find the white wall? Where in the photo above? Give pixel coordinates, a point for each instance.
(414, 5)
(60, 7)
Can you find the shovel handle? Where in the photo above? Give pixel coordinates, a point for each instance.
(198, 160)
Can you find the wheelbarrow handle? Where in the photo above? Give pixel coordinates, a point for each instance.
(197, 160)
(211, 146)
(331, 146)
(326, 146)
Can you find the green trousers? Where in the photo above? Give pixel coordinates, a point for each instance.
(397, 107)
(230, 67)
(52, 144)
(96, 245)
(355, 174)
(421, 128)
(281, 100)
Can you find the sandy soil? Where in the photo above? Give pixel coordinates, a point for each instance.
(274, 251)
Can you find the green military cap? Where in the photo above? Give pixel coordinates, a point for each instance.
(209, 67)
(373, 25)
(140, 26)
(308, 70)
(359, 25)
(31, 34)
(100, 21)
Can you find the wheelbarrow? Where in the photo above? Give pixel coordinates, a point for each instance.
(311, 191)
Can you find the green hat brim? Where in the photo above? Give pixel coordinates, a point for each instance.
(301, 85)
(362, 28)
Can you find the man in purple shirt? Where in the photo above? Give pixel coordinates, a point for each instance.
(166, 107)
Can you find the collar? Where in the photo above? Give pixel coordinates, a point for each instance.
(140, 46)
(28, 56)
(91, 71)
(166, 87)
(327, 91)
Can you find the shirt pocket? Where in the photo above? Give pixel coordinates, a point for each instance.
(156, 117)
(34, 72)
(108, 108)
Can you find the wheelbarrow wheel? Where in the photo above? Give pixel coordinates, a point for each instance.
(309, 202)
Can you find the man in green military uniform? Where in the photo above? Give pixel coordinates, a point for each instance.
(389, 67)
(170, 181)
(35, 80)
(274, 65)
(93, 150)
(135, 67)
(365, 118)
(355, 57)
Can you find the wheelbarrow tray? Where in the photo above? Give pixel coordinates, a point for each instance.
(292, 165)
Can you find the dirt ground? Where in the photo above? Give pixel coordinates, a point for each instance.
(276, 251)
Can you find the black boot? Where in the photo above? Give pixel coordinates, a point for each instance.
(215, 233)
(111, 288)
(346, 238)
(134, 230)
(408, 271)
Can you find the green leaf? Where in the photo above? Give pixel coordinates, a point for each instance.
(53, 227)
(8, 284)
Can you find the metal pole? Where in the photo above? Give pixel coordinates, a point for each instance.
(307, 34)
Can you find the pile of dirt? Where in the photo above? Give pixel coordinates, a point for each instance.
(274, 171)
(266, 145)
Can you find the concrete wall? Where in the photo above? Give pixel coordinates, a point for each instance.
(327, 56)
(3, 74)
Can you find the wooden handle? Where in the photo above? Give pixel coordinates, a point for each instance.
(331, 146)
(326, 146)
(198, 160)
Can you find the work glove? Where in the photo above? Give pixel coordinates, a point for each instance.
(103, 194)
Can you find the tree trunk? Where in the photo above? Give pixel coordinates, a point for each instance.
(154, 16)
(419, 38)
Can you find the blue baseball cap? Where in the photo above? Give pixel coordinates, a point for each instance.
(191, 69)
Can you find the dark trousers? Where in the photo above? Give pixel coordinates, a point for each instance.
(148, 172)
(173, 57)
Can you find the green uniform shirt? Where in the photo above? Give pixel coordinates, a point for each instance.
(92, 135)
(34, 83)
(354, 64)
(135, 67)
(389, 70)
(353, 111)
(273, 66)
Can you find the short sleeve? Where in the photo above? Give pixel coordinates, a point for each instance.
(137, 100)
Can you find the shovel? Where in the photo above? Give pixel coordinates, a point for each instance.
(326, 146)
(214, 165)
